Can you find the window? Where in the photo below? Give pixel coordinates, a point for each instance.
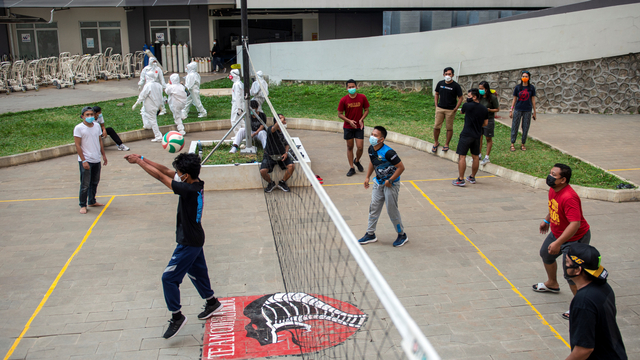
(171, 31)
(37, 40)
(97, 36)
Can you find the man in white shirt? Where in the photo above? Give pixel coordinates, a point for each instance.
(87, 136)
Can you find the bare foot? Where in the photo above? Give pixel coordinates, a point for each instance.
(96, 204)
(83, 210)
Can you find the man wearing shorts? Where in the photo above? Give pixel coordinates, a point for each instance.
(353, 109)
(448, 99)
(568, 226)
(276, 152)
(475, 117)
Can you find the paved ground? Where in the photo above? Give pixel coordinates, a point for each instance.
(605, 140)
(49, 96)
(109, 304)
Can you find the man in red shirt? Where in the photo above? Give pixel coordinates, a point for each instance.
(567, 225)
(353, 109)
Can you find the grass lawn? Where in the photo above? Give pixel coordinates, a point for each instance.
(410, 113)
(222, 155)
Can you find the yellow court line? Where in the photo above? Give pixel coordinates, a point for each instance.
(55, 282)
(624, 169)
(408, 181)
(542, 319)
(75, 197)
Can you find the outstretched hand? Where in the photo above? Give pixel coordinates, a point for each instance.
(132, 158)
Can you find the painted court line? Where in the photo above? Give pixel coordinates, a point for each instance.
(75, 197)
(55, 282)
(624, 169)
(408, 181)
(542, 319)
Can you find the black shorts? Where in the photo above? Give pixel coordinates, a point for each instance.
(269, 163)
(487, 131)
(468, 143)
(353, 133)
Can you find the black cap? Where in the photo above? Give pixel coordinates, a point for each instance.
(85, 109)
(588, 258)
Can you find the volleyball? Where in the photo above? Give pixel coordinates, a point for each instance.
(172, 141)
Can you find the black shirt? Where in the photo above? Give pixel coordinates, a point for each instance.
(524, 96)
(189, 229)
(216, 50)
(255, 124)
(276, 143)
(592, 323)
(449, 94)
(474, 116)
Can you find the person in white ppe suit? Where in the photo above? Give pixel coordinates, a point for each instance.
(177, 100)
(237, 100)
(257, 129)
(256, 91)
(151, 98)
(155, 70)
(192, 83)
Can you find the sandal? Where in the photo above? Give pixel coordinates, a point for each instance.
(541, 287)
(434, 149)
(565, 315)
(445, 149)
(523, 148)
(513, 148)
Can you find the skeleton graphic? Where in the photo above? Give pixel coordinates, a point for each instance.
(274, 313)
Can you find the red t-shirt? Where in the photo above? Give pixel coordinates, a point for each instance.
(565, 207)
(353, 109)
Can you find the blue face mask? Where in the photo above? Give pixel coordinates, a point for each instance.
(352, 91)
(482, 92)
(100, 116)
(373, 140)
(89, 119)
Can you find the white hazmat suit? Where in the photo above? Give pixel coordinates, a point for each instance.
(256, 90)
(237, 97)
(151, 98)
(155, 70)
(177, 100)
(192, 83)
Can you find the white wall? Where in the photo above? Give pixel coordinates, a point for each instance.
(516, 44)
(384, 4)
(69, 39)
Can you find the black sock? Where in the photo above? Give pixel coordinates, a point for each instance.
(176, 315)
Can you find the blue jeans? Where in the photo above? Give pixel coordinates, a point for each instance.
(185, 260)
(216, 62)
(89, 180)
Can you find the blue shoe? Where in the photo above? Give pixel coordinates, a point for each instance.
(367, 238)
(401, 240)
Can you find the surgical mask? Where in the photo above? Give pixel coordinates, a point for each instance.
(214, 43)
(100, 116)
(447, 78)
(469, 100)
(178, 178)
(373, 140)
(482, 92)
(89, 119)
(551, 181)
(352, 91)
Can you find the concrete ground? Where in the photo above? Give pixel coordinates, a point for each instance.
(109, 302)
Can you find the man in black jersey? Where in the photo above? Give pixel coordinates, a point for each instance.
(188, 257)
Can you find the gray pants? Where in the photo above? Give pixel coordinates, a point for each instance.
(550, 259)
(525, 116)
(379, 196)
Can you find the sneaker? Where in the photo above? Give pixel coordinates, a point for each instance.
(175, 325)
(458, 182)
(209, 309)
(471, 179)
(270, 187)
(182, 132)
(367, 238)
(123, 147)
(485, 161)
(224, 70)
(283, 186)
(201, 115)
(156, 139)
(163, 112)
(233, 149)
(358, 165)
(401, 240)
(351, 172)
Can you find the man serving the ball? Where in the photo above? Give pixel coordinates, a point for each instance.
(188, 257)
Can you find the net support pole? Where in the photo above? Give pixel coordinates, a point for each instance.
(246, 75)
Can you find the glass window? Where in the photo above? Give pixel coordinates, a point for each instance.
(37, 40)
(98, 36)
(88, 24)
(158, 23)
(171, 31)
(24, 26)
(111, 38)
(47, 26)
(90, 44)
(110, 24)
(48, 43)
(179, 23)
(27, 43)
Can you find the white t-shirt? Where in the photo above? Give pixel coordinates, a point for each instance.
(90, 143)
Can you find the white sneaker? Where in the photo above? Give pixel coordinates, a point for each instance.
(233, 150)
(201, 115)
(485, 161)
(123, 147)
(163, 112)
(224, 70)
(156, 140)
(183, 133)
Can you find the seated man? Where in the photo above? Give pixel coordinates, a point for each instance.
(257, 129)
(276, 152)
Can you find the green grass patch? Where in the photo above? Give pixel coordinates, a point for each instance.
(223, 157)
(410, 113)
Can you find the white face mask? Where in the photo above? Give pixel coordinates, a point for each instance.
(177, 178)
(447, 78)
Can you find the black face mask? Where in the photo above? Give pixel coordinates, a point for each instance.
(469, 99)
(574, 266)
(551, 181)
